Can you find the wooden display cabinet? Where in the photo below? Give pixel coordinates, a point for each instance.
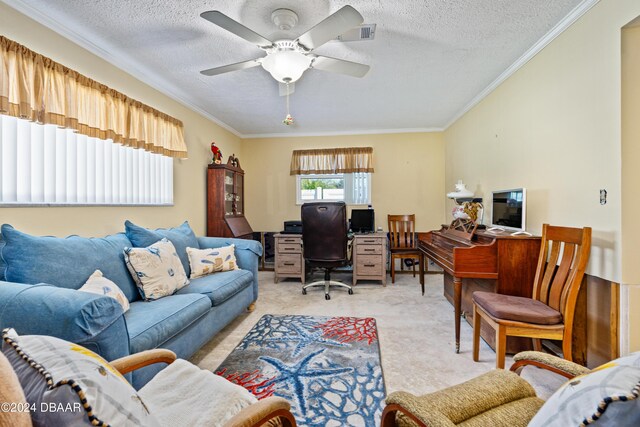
(225, 201)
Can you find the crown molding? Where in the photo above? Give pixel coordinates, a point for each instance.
(145, 77)
(558, 29)
(340, 133)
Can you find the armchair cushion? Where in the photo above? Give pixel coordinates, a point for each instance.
(184, 395)
(609, 395)
(519, 309)
(66, 384)
(181, 237)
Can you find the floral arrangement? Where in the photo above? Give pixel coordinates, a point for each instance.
(217, 154)
(472, 209)
(288, 120)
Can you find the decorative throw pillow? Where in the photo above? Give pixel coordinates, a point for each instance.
(156, 269)
(608, 394)
(181, 237)
(207, 261)
(66, 384)
(98, 284)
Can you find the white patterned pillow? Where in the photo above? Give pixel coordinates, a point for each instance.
(156, 269)
(207, 261)
(98, 284)
(66, 384)
(606, 396)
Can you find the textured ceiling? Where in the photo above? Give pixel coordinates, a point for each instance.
(428, 61)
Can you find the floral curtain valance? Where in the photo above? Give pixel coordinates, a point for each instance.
(36, 88)
(332, 160)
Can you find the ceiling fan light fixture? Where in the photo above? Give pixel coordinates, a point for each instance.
(284, 19)
(286, 66)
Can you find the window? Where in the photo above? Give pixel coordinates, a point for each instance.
(49, 165)
(352, 188)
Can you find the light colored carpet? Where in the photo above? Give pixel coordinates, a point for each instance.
(416, 332)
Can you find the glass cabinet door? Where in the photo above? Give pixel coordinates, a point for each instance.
(239, 194)
(229, 196)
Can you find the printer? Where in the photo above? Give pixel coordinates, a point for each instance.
(292, 227)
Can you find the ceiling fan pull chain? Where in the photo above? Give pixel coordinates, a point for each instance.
(288, 120)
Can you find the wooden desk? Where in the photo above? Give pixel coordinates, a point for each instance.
(288, 257)
(369, 257)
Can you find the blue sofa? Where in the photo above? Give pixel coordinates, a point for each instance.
(39, 278)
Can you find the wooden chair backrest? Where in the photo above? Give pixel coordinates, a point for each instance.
(402, 231)
(557, 283)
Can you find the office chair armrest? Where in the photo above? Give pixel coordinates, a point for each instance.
(549, 362)
(139, 360)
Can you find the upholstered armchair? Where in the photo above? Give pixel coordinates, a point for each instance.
(502, 398)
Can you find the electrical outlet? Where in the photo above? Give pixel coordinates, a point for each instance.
(603, 197)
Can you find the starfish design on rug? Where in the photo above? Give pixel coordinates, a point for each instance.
(305, 338)
(297, 375)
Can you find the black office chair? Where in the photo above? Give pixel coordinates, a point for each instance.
(324, 241)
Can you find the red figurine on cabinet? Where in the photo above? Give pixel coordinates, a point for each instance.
(217, 154)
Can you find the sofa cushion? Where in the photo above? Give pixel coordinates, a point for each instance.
(219, 287)
(519, 309)
(181, 237)
(65, 262)
(100, 285)
(211, 260)
(152, 323)
(156, 269)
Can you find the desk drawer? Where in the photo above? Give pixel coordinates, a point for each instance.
(289, 248)
(295, 240)
(369, 249)
(369, 265)
(289, 263)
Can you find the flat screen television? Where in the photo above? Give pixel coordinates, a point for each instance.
(508, 209)
(362, 220)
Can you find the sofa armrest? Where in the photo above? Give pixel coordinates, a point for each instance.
(247, 253)
(549, 362)
(92, 321)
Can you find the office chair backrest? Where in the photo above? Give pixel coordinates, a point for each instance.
(324, 231)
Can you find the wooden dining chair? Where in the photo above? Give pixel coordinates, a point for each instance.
(563, 258)
(402, 241)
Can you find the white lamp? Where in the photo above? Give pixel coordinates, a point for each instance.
(286, 66)
(461, 191)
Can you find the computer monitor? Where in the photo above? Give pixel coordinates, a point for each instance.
(363, 220)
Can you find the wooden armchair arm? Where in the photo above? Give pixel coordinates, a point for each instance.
(549, 362)
(261, 412)
(389, 416)
(144, 358)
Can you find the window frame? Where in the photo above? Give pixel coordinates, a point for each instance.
(348, 188)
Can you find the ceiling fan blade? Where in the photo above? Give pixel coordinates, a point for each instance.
(282, 88)
(341, 66)
(222, 20)
(331, 27)
(231, 67)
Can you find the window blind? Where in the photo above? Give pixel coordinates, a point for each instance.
(48, 165)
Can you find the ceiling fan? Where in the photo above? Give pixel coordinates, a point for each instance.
(286, 60)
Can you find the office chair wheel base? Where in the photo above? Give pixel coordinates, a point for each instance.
(327, 296)
(350, 291)
(304, 291)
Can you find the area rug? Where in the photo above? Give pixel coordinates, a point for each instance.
(328, 368)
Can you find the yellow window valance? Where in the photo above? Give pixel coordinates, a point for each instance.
(332, 160)
(39, 89)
